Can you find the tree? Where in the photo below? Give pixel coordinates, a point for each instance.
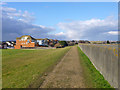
(51, 44)
(108, 42)
(63, 43)
(58, 45)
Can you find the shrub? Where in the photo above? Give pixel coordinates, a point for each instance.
(58, 45)
(63, 43)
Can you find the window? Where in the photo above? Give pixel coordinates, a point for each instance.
(28, 41)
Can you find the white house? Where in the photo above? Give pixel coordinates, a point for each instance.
(42, 42)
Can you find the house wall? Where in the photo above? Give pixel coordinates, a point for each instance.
(105, 59)
(17, 46)
(24, 43)
(42, 42)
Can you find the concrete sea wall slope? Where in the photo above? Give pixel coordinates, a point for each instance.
(105, 59)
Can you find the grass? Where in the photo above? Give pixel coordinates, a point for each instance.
(21, 68)
(93, 78)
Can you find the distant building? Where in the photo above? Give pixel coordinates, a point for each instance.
(3, 45)
(10, 43)
(84, 41)
(42, 42)
(73, 42)
(98, 42)
(30, 42)
(25, 41)
(105, 42)
(114, 42)
(7, 44)
(118, 42)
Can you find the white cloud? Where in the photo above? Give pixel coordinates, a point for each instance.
(59, 34)
(93, 29)
(8, 9)
(16, 23)
(12, 28)
(24, 16)
(3, 3)
(14, 14)
(114, 32)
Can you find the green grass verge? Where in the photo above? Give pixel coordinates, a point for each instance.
(20, 68)
(93, 78)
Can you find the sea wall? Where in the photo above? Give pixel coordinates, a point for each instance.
(105, 59)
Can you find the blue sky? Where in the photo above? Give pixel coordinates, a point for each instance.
(51, 13)
(59, 18)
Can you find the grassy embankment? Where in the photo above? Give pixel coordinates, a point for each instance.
(22, 68)
(92, 76)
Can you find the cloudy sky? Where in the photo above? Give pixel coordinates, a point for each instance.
(60, 20)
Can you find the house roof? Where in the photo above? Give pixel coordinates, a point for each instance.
(39, 39)
(43, 39)
(29, 37)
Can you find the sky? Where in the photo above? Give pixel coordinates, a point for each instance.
(60, 20)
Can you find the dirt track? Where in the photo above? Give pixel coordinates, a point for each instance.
(67, 74)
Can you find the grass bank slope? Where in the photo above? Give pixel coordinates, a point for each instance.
(93, 78)
(20, 68)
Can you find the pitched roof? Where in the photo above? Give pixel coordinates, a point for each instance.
(29, 37)
(39, 39)
(43, 39)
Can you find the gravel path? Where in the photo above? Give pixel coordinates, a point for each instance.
(67, 74)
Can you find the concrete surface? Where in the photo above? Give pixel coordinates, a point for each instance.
(105, 59)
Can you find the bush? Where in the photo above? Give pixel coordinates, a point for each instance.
(63, 43)
(58, 45)
(108, 42)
